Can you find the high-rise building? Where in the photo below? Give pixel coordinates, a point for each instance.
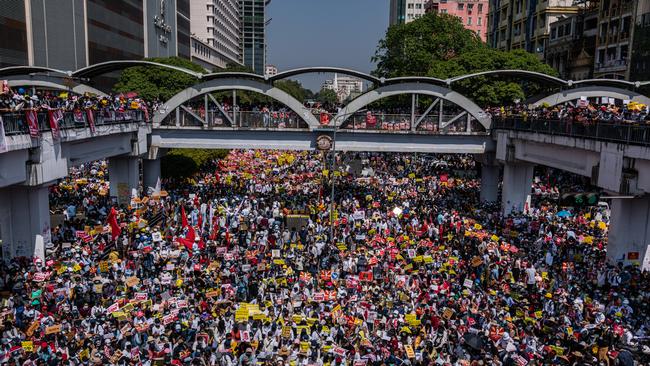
(472, 13)
(405, 11)
(252, 15)
(525, 24)
(216, 32)
(71, 34)
(344, 86)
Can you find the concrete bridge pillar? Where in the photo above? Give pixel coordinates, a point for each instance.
(629, 232)
(517, 187)
(489, 183)
(150, 173)
(24, 214)
(124, 175)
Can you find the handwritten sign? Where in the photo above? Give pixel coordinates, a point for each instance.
(53, 329)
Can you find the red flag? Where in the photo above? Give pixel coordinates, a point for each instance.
(32, 122)
(324, 118)
(91, 120)
(55, 116)
(115, 227)
(183, 217)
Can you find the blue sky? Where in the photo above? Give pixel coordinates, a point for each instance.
(340, 33)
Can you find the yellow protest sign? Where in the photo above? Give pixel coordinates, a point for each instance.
(241, 315)
(304, 346)
(409, 351)
(28, 346)
(286, 332)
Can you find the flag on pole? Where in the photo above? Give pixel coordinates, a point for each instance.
(32, 122)
(112, 221)
(91, 120)
(55, 116)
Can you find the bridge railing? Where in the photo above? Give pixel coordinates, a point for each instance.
(624, 132)
(241, 119)
(431, 124)
(15, 123)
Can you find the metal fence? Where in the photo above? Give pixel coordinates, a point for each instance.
(624, 132)
(402, 122)
(16, 123)
(242, 119)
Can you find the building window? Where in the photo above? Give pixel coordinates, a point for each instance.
(461, 6)
(469, 20)
(418, 6)
(479, 21)
(444, 11)
(480, 8)
(410, 6)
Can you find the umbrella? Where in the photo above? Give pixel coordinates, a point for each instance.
(473, 340)
(563, 213)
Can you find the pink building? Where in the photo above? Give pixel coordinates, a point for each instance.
(473, 13)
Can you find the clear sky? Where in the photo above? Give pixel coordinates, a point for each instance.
(340, 33)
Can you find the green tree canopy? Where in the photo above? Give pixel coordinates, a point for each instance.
(326, 96)
(437, 45)
(183, 163)
(152, 82)
(411, 49)
(295, 89)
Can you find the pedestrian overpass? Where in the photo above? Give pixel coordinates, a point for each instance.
(450, 122)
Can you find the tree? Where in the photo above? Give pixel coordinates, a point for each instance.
(152, 82)
(327, 96)
(295, 89)
(437, 45)
(493, 90)
(183, 163)
(411, 48)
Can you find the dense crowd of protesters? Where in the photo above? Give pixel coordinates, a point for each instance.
(583, 112)
(17, 100)
(245, 264)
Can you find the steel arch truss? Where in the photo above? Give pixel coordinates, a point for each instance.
(570, 95)
(441, 93)
(229, 83)
(51, 82)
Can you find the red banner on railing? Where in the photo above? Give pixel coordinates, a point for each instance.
(32, 122)
(91, 120)
(324, 119)
(55, 116)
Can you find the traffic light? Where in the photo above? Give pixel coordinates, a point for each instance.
(574, 199)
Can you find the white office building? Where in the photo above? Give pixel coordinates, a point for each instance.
(344, 86)
(216, 32)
